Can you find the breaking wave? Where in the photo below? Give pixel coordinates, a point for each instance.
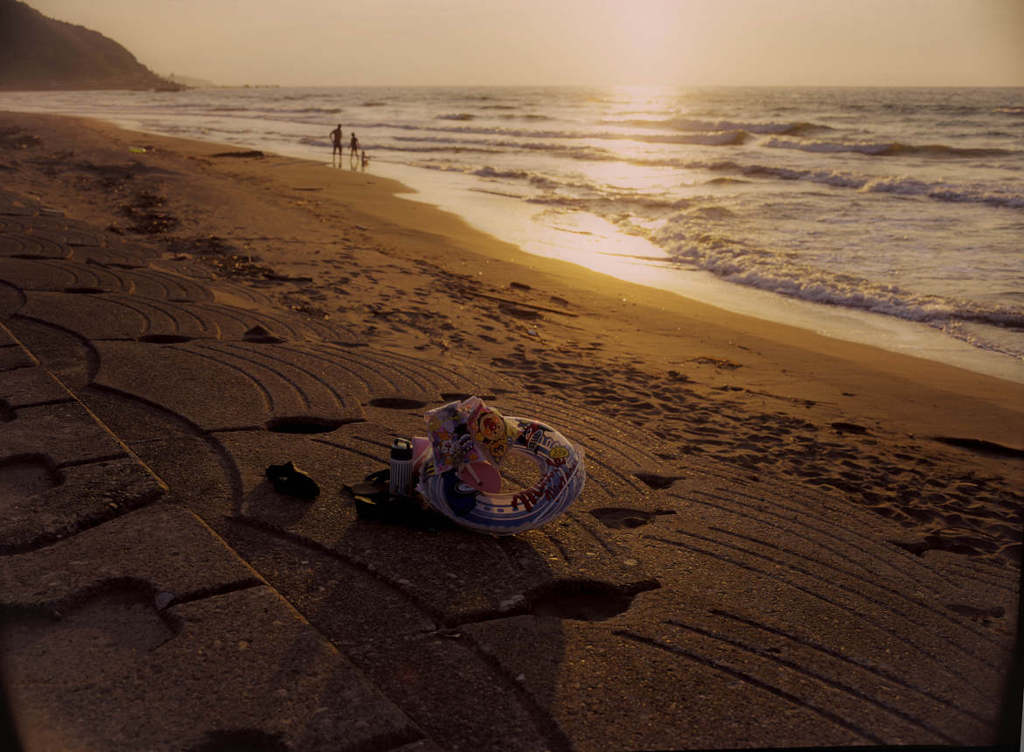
(612, 203)
(775, 273)
(938, 191)
(943, 192)
(894, 149)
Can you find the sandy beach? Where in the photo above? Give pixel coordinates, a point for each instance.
(784, 540)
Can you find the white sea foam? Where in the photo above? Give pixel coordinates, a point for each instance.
(777, 273)
(944, 191)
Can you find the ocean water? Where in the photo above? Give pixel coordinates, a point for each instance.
(888, 216)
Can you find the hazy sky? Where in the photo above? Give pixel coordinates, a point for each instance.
(784, 42)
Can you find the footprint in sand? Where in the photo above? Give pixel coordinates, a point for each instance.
(981, 446)
(620, 518)
(586, 600)
(657, 482)
(24, 476)
(981, 614)
(305, 424)
(261, 335)
(397, 403)
(841, 427)
(164, 339)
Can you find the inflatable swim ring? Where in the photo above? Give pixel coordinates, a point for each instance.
(458, 476)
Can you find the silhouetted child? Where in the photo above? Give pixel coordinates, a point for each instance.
(365, 159)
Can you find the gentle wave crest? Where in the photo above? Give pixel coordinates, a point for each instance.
(949, 192)
(682, 124)
(887, 149)
(717, 138)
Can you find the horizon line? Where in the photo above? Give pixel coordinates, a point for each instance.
(213, 84)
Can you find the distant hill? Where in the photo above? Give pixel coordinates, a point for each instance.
(37, 52)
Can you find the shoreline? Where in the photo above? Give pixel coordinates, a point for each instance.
(813, 530)
(511, 220)
(333, 195)
(855, 325)
(859, 326)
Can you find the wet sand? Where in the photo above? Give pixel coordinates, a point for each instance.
(785, 539)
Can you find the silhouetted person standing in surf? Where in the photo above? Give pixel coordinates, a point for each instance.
(336, 142)
(353, 148)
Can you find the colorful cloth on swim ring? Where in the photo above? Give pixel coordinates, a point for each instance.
(458, 468)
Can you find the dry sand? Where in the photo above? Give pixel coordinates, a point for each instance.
(785, 539)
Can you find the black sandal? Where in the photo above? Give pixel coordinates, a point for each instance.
(288, 479)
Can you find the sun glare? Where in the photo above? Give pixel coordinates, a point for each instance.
(643, 40)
